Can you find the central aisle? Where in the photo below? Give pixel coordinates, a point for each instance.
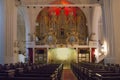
(68, 75)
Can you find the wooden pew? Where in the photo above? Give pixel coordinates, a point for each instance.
(107, 76)
(32, 72)
(31, 78)
(4, 78)
(9, 73)
(87, 71)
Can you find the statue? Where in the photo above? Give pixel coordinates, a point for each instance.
(62, 20)
(72, 38)
(53, 21)
(44, 20)
(78, 20)
(71, 21)
(50, 37)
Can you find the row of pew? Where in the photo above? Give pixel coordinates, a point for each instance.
(30, 71)
(92, 71)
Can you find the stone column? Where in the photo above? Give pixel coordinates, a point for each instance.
(116, 27)
(108, 30)
(95, 26)
(7, 30)
(95, 22)
(2, 31)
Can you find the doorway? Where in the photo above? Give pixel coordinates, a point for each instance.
(62, 55)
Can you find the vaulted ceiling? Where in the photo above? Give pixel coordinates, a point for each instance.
(27, 2)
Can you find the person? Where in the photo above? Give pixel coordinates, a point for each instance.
(44, 21)
(21, 57)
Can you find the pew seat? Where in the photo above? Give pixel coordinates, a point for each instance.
(25, 78)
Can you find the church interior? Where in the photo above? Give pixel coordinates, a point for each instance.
(59, 40)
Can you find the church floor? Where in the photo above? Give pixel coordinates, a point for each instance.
(68, 75)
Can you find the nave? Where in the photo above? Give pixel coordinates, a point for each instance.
(32, 30)
(78, 71)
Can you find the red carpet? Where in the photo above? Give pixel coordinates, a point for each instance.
(68, 75)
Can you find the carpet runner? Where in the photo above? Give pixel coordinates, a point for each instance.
(68, 75)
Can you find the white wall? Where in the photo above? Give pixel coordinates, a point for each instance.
(88, 12)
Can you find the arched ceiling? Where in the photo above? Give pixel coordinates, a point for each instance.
(27, 2)
(87, 11)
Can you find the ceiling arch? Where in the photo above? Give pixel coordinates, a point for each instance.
(28, 2)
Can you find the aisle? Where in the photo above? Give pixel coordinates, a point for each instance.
(68, 75)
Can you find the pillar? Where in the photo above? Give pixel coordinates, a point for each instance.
(7, 30)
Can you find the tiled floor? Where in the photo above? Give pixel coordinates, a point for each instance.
(68, 75)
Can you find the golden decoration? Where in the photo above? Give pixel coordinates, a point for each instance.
(61, 28)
